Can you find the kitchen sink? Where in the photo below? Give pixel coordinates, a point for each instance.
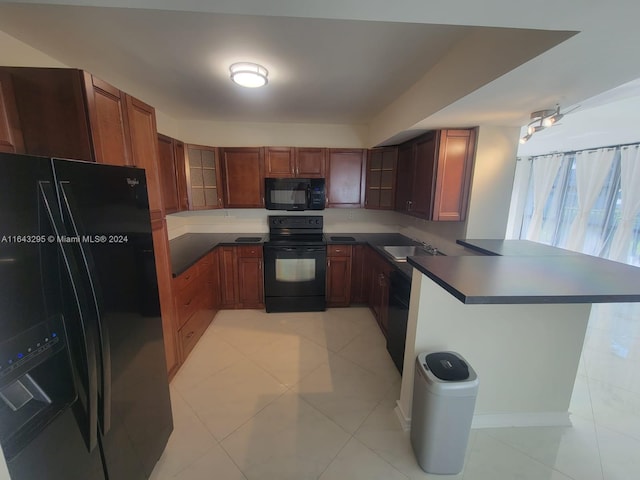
(400, 253)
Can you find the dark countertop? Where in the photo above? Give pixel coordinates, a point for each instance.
(514, 248)
(187, 249)
(532, 279)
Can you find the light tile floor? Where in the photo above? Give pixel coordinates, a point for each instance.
(311, 396)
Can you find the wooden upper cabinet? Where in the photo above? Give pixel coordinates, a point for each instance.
(345, 177)
(203, 177)
(11, 140)
(423, 176)
(455, 163)
(287, 162)
(310, 162)
(180, 159)
(381, 178)
(404, 177)
(279, 162)
(108, 122)
(52, 111)
(243, 173)
(434, 175)
(144, 149)
(167, 171)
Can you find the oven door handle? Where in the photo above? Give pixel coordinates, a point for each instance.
(315, 249)
(284, 249)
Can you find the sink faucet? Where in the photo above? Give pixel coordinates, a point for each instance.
(430, 249)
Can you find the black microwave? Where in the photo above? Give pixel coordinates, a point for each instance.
(294, 193)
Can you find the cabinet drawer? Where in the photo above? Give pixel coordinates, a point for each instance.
(191, 332)
(250, 251)
(185, 278)
(188, 300)
(339, 250)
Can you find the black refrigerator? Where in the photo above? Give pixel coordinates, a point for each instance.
(83, 383)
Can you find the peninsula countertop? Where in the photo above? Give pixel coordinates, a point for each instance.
(529, 273)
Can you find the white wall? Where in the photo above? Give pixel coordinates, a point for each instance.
(526, 356)
(14, 53)
(248, 134)
(492, 182)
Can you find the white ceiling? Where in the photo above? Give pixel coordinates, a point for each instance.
(419, 63)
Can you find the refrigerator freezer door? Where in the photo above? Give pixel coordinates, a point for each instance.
(107, 208)
(46, 428)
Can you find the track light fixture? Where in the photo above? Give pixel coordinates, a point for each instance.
(540, 120)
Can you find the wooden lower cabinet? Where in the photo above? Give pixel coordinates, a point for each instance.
(379, 288)
(241, 277)
(194, 303)
(338, 275)
(359, 279)
(163, 272)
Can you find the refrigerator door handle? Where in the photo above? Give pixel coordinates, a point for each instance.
(50, 201)
(104, 407)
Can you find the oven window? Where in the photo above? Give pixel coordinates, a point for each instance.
(288, 197)
(295, 269)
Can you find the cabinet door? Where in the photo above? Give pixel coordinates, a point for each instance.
(144, 149)
(404, 179)
(381, 178)
(310, 162)
(243, 172)
(181, 180)
(359, 281)
(339, 275)
(379, 288)
(169, 325)
(214, 280)
(11, 140)
(228, 276)
(250, 282)
(52, 111)
(279, 162)
(455, 162)
(346, 171)
(424, 178)
(203, 178)
(166, 164)
(108, 122)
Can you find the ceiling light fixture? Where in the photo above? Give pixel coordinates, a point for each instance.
(541, 120)
(249, 75)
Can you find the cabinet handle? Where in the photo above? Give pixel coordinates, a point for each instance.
(190, 334)
(328, 262)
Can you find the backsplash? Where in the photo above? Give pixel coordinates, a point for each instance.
(336, 220)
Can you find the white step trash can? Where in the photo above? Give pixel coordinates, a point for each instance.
(444, 395)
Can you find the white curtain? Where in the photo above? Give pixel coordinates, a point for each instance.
(630, 204)
(518, 197)
(544, 171)
(592, 169)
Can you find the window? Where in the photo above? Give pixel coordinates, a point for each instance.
(561, 208)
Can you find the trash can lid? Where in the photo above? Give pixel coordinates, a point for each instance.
(447, 366)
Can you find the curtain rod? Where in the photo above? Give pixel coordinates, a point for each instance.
(573, 152)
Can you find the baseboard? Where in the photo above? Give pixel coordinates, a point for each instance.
(501, 420)
(405, 421)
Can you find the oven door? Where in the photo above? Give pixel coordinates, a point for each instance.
(294, 277)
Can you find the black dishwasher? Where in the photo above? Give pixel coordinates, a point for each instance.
(399, 295)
